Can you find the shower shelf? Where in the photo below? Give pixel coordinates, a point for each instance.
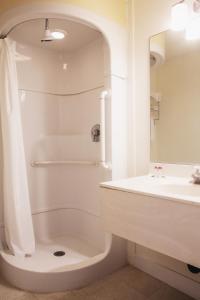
(66, 162)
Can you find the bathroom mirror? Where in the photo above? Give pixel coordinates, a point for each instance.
(175, 98)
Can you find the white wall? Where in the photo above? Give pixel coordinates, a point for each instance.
(150, 18)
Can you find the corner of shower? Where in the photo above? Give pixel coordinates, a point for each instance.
(55, 236)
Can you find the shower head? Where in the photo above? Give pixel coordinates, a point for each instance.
(52, 35)
(47, 33)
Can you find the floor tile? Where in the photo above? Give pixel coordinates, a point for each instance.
(52, 296)
(126, 284)
(168, 293)
(118, 292)
(75, 296)
(25, 296)
(142, 282)
(68, 295)
(8, 292)
(121, 276)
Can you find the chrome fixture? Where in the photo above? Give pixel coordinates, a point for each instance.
(155, 106)
(64, 162)
(47, 33)
(95, 133)
(51, 163)
(52, 35)
(196, 175)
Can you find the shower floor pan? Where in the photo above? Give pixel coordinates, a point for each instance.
(80, 260)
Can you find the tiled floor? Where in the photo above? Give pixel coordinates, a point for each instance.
(127, 284)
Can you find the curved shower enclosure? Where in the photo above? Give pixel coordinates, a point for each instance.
(52, 234)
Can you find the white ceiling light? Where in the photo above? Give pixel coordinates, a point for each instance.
(186, 16)
(196, 6)
(179, 15)
(193, 26)
(193, 29)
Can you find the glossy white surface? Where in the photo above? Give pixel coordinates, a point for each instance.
(78, 233)
(90, 254)
(58, 127)
(65, 198)
(115, 73)
(174, 188)
(160, 214)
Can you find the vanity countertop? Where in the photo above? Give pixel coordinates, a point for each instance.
(172, 188)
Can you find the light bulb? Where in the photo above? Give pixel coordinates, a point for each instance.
(179, 15)
(193, 29)
(196, 6)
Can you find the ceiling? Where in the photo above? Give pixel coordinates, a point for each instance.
(78, 35)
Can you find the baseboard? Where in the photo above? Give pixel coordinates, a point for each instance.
(175, 280)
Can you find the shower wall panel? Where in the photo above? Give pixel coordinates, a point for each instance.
(58, 127)
(85, 67)
(43, 72)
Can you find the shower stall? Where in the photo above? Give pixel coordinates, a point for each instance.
(65, 109)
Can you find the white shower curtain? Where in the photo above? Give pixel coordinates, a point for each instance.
(17, 212)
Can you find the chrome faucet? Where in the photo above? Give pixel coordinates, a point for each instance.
(196, 175)
(95, 133)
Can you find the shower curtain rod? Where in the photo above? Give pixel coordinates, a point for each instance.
(63, 95)
(5, 35)
(2, 37)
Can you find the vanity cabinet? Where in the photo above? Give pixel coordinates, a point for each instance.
(162, 222)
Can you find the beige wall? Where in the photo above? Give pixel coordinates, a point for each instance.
(112, 9)
(154, 114)
(178, 128)
(147, 22)
(150, 18)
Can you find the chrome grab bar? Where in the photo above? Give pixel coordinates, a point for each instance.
(103, 97)
(46, 163)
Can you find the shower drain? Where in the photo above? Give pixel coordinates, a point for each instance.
(59, 253)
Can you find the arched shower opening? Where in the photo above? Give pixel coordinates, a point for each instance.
(66, 96)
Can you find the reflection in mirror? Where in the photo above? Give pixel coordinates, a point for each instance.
(175, 98)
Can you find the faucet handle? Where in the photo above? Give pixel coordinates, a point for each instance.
(196, 175)
(197, 170)
(158, 170)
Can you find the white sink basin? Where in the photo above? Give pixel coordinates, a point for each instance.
(162, 214)
(174, 188)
